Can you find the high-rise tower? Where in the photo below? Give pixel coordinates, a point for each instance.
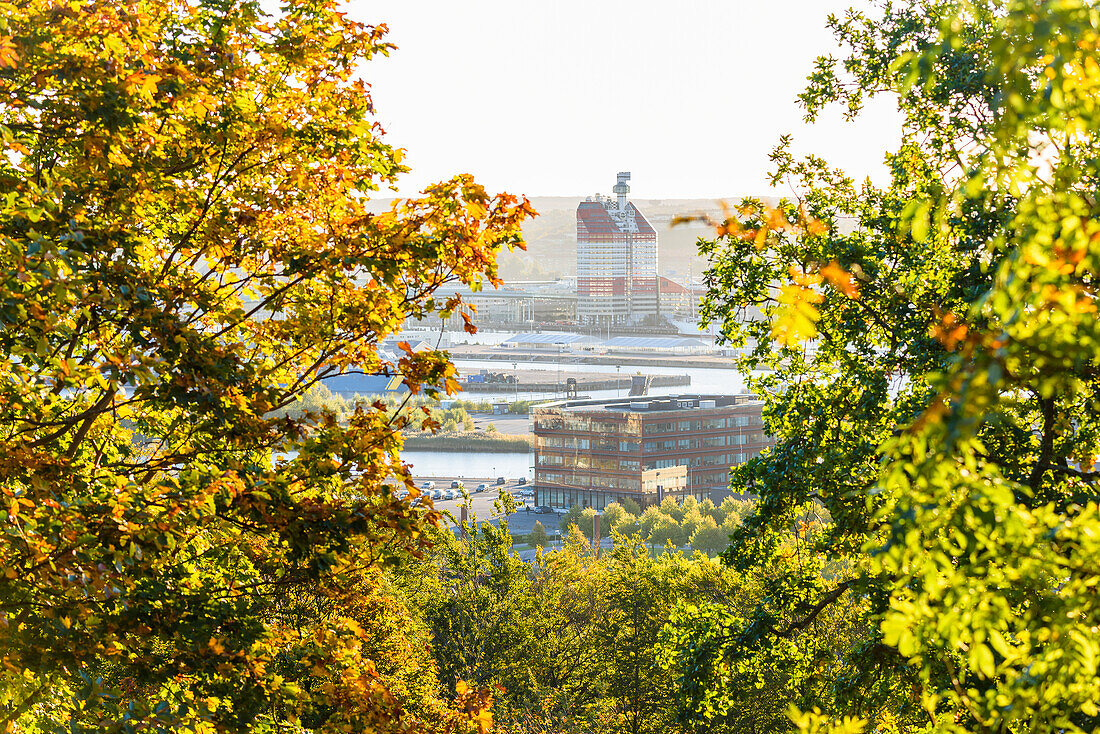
(616, 260)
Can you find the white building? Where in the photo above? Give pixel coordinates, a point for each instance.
(616, 260)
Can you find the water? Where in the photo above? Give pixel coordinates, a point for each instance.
(460, 464)
(703, 380)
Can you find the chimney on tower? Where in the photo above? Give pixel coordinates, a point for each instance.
(622, 188)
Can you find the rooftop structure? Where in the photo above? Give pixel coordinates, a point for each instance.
(548, 340)
(665, 344)
(616, 260)
(595, 452)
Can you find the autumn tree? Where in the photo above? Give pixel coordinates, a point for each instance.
(935, 380)
(187, 248)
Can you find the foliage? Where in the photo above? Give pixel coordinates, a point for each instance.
(467, 441)
(640, 596)
(186, 249)
(580, 518)
(618, 519)
(520, 407)
(317, 400)
(735, 682)
(538, 537)
(710, 537)
(569, 642)
(942, 426)
(526, 630)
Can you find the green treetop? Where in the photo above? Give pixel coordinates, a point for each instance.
(934, 381)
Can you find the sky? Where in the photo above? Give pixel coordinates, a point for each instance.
(552, 98)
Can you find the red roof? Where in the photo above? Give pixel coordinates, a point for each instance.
(671, 286)
(594, 223)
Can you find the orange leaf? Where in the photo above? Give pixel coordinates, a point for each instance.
(840, 279)
(8, 57)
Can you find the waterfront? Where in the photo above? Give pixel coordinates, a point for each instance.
(703, 380)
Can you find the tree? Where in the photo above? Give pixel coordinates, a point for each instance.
(704, 644)
(691, 520)
(649, 521)
(581, 518)
(708, 509)
(639, 604)
(617, 518)
(673, 508)
(664, 530)
(318, 399)
(186, 249)
(709, 537)
(538, 536)
(563, 685)
(528, 630)
(479, 615)
(570, 519)
(733, 508)
(946, 420)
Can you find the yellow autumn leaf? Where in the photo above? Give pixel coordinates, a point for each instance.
(796, 317)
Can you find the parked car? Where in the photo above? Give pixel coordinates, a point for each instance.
(448, 494)
(481, 487)
(544, 510)
(522, 481)
(428, 485)
(437, 494)
(501, 480)
(455, 484)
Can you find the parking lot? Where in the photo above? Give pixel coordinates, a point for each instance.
(481, 503)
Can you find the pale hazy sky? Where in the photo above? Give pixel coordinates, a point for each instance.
(552, 98)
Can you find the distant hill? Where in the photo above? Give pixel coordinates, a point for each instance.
(552, 237)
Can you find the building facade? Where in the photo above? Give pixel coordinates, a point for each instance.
(595, 452)
(616, 260)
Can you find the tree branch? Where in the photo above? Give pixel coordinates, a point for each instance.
(825, 601)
